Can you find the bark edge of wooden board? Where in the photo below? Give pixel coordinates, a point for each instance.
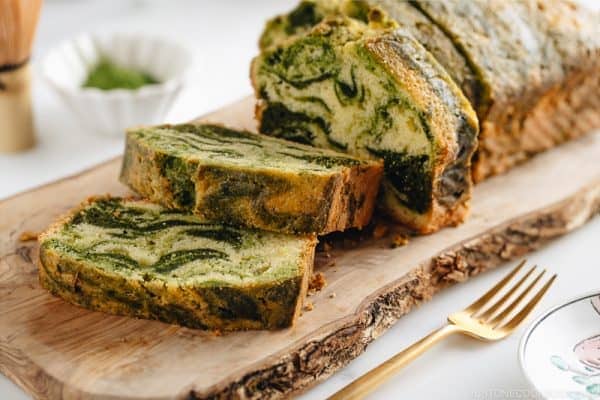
(307, 364)
(383, 310)
(54, 350)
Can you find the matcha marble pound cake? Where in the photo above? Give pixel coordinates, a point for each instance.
(530, 68)
(246, 179)
(538, 63)
(374, 92)
(135, 258)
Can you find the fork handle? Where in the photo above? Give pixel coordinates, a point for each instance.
(372, 379)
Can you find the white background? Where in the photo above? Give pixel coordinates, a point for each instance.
(223, 35)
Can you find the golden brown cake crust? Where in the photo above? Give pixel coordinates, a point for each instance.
(539, 63)
(566, 112)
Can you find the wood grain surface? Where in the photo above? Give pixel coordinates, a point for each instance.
(58, 351)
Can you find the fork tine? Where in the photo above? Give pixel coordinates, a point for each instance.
(492, 292)
(520, 317)
(512, 306)
(490, 311)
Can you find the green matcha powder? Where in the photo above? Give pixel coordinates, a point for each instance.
(108, 76)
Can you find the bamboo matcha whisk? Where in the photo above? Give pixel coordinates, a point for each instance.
(18, 20)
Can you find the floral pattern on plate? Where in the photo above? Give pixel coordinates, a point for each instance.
(560, 352)
(587, 373)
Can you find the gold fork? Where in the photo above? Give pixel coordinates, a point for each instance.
(487, 324)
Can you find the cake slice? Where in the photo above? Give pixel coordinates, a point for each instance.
(246, 179)
(373, 92)
(135, 258)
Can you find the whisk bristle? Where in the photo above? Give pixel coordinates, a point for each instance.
(18, 20)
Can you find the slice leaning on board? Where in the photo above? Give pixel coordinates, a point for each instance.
(530, 69)
(345, 86)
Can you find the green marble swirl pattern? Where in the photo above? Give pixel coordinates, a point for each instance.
(136, 258)
(217, 145)
(373, 92)
(245, 179)
(142, 239)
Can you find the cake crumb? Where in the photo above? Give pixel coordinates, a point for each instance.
(28, 236)
(317, 282)
(217, 332)
(399, 241)
(332, 295)
(309, 306)
(323, 259)
(380, 231)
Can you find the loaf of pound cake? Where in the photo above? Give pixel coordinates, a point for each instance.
(530, 68)
(538, 66)
(245, 179)
(374, 92)
(138, 259)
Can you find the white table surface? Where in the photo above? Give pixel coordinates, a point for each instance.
(223, 34)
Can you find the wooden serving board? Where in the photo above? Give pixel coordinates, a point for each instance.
(55, 350)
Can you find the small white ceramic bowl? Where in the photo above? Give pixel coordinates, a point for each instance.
(110, 112)
(560, 351)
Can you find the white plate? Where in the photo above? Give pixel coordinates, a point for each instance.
(560, 351)
(110, 112)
